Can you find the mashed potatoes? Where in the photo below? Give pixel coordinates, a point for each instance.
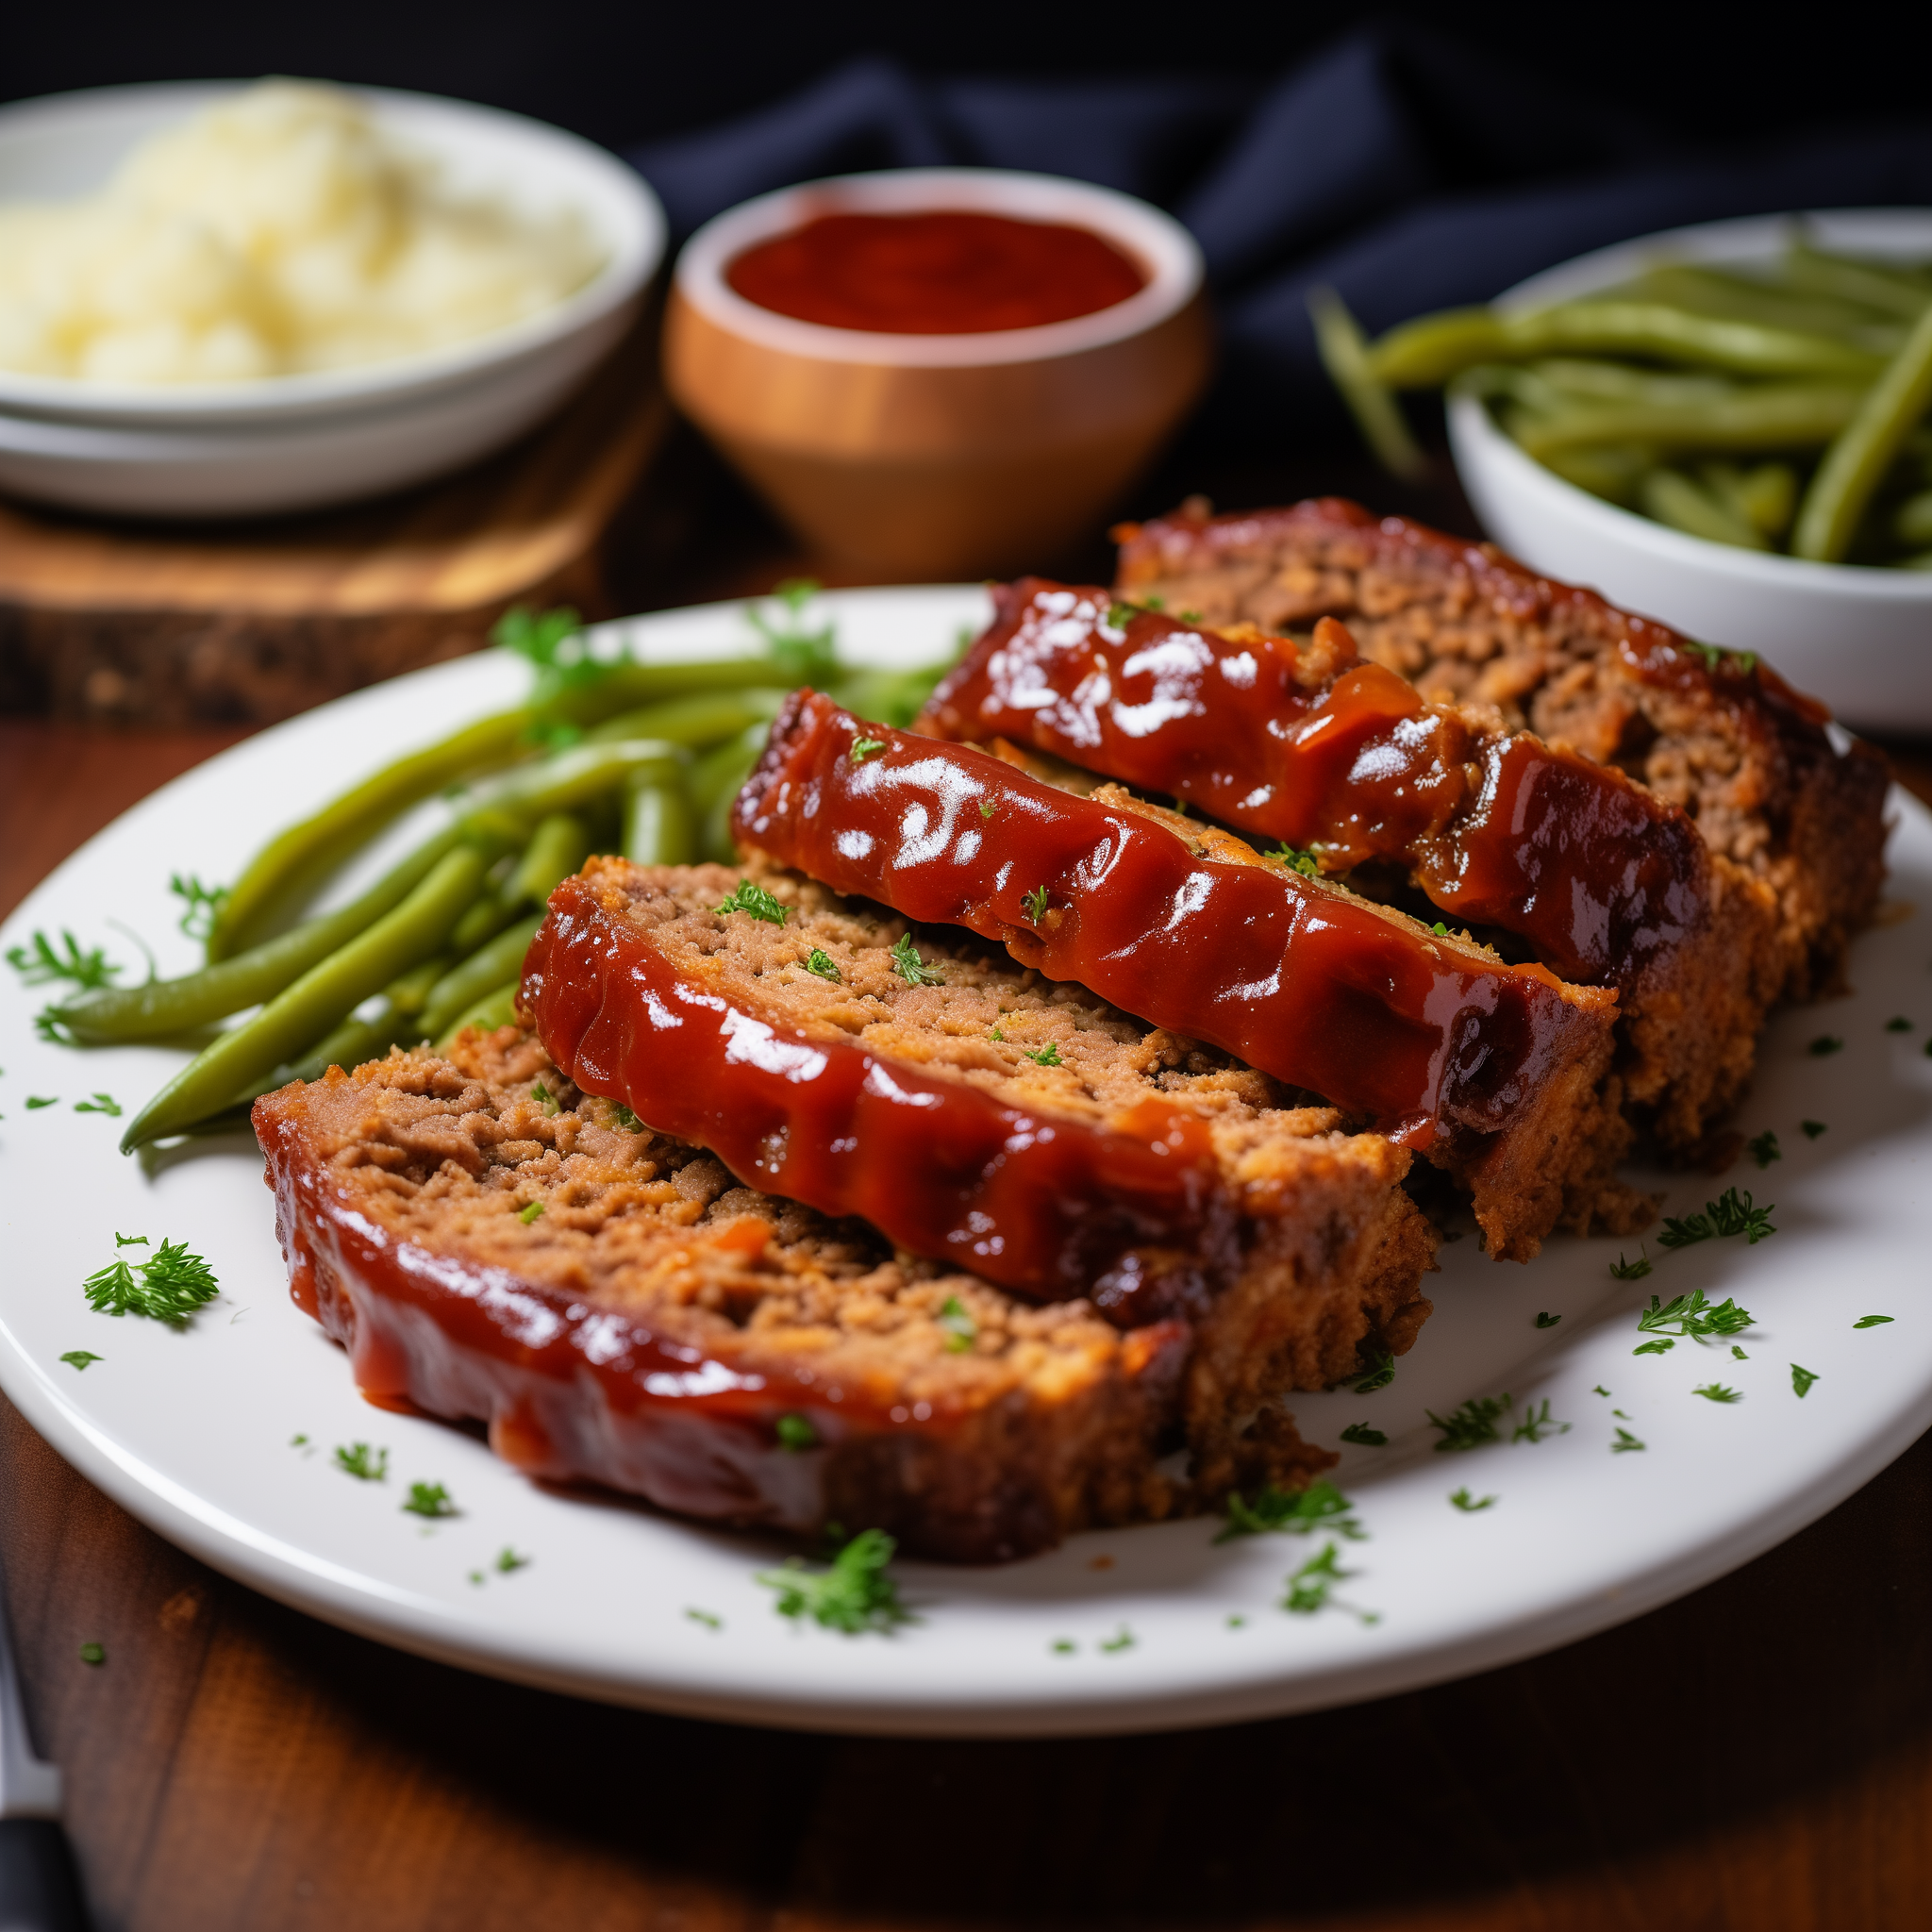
(280, 231)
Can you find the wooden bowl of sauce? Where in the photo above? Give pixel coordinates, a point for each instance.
(939, 373)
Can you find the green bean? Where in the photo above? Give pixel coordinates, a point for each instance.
(623, 687)
(486, 918)
(1345, 355)
(659, 828)
(501, 959)
(1855, 463)
(1609, 470)
(165, 1008)
(893, 697)
(1768, 417)
(1421, 354)
(713, 787)
(1672, 498)
(1616, 382)
(1922, 562)
(558, 846)
(328, 990)
(319, 842)
(572, 778)
(1912, 522)
(494, 1010)
(1742, 298)
(700, 721)
(1894, 290)
(1764, 496)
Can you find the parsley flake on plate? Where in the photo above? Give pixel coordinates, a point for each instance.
(1811, 1129)
(1320, 1506)
(509, 1561)
(1694, 1316)
(1121, 1639)
(911, 968)
(854, 1595)
(79, 1357)
(41, 962)
(99, 1102)
(749, 896)
(1824, 1045)
(1631, 1271)
(863, 748)
(1802, 1380)
(1716, 1391)
(365, 1464)
(168, 1286)
(1362, 1433)
(1062, 1646)
(1732, 1213)
(94, 1654)
(1625, 1444)
(1872, 1321)
(202, 905)
(1471, 1424)
(35, 1101)
(1599, 1390)
(1548, 1320)
(1763, 1148)
(710, 1619)
(1663, 1347)
(821, 962)
(1898, 1023)
(1311, 1589)
(1380, 1374)
(1464, 1501)
(1537, 1423)
(431, 1500)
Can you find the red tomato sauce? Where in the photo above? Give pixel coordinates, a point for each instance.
(940, 272)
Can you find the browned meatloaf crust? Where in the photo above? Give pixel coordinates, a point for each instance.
(653, 1323)
(1790, 809)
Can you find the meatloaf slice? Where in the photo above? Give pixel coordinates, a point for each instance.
(988, 1121)
(490, 1243)
(1606, 882)
(1789, 806)
(1499, 1073)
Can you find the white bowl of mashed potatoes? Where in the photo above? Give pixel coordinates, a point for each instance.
(244, 299)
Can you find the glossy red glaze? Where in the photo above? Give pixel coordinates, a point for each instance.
(1052, 1207)
(1600, 876)
(938, 272)
(1311, 984)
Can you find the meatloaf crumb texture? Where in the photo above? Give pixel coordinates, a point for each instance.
(652, 1321)
(1790, 809)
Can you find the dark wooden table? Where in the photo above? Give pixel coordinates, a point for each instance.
(1757, 1755)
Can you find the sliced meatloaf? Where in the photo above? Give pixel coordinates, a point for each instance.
(1789, 806)
(1499, 1073)
(988, 1121)
(490, 1243)
(1602, 880)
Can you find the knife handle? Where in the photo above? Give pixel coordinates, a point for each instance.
(39, 1891)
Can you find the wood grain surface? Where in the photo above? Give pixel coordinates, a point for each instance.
(1757, 1755)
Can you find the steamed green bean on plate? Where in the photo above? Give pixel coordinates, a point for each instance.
(607, 753)
(1781, 404)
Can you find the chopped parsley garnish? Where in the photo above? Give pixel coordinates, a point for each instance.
(626, 1118)
(541, 638)
(1320, 1505)
(1441, 931)
(1048, 1056)
(795, 1434)
(1870, 1321)
(1472, 1424)
(1735, 663)
(1380, 1374)
(365, 1464)
(202, 904)
(911, 968)
(1120, 615)
(1548, 1320)
(1631, 1271)
(298, 1441)
(753, 898)
(1731, 1213)
(1599, 1390)
(820, 961)
(1802, 1380)
(79, 1357)
(1153, 603)
(800, 654)
(99, 1102)
(996, 1034)
(1537, 1423)
(42, 962)
(1898, 1023)
(1824, 1045)
(1312, 1586)
(130, 1240)
(1035, 903)
(1693, 1317)
(1063, 1646)
(710, 1619)
(1716, 1391)
(1626, 1442)
(854, 1595)
(1463, 1500)
(863, 748)
(1811, 1129)
(544, 1098)
(509, 1561)
(1303, 862)
(1739, 1353)
(533, 1212)
(1191, 617)
(1362, 1433)
(1654, 1348)
(431, 1500)
(1763, 1148)
(35, 1101)
(985, 808)
(93, 1654)
(962, 1329)
(172, 1284)
(1236, 1621)
(1121, 1639)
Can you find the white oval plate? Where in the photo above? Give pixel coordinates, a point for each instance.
(197, 1433)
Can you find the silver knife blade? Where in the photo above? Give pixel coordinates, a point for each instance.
(30, 1786)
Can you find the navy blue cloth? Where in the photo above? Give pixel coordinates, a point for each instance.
(1395, 166)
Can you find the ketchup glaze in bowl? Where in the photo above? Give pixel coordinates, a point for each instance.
(921, 451)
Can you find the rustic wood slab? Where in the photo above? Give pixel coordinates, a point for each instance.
(230, 624)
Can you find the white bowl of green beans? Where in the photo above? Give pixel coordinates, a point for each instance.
(1728, 427)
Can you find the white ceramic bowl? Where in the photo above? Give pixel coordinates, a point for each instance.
(289, 442)
(1858, 637)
